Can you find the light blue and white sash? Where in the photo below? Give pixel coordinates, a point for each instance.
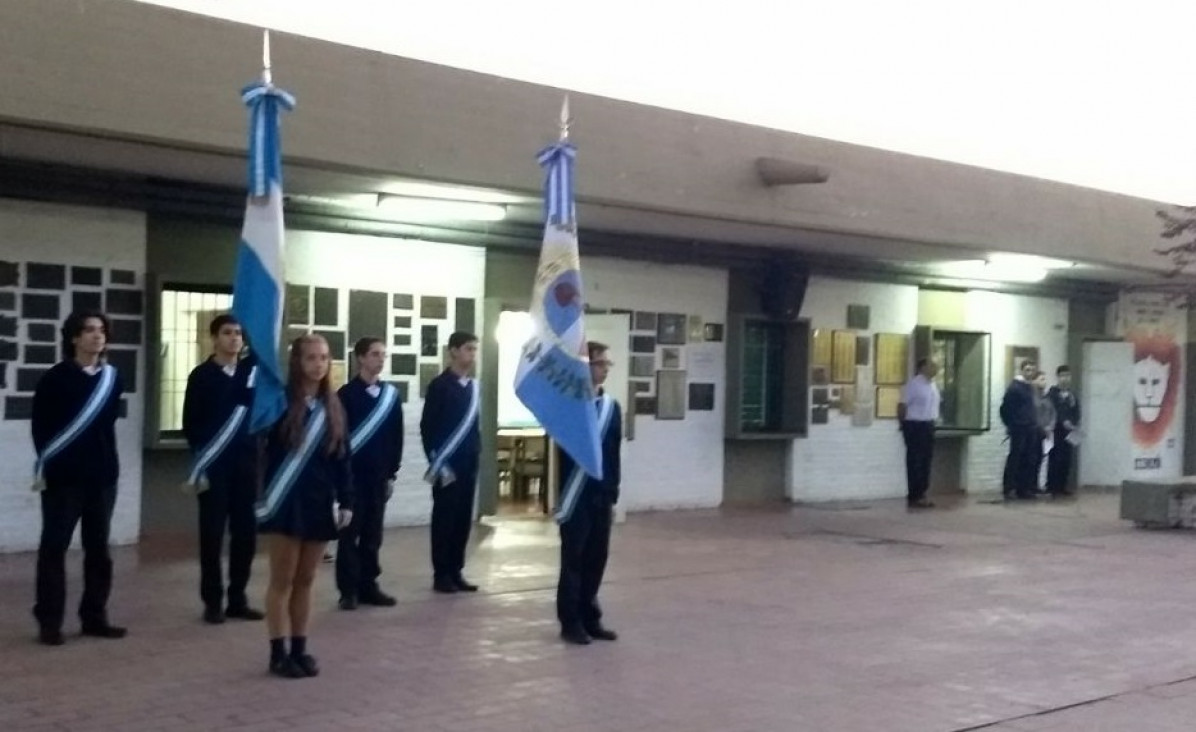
(293, 464)
(198, 478)
(91, 409)
(572, 490)
(369, 426)
(441, 457)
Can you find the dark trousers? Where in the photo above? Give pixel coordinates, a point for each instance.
(585, 545)
(64, 508)
(1059, 465)
(227, 502)
(452, 519)
(919, 452)
(357, 566)
(1022, 463)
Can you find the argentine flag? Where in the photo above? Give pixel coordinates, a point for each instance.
(259, 283)
(553, 379)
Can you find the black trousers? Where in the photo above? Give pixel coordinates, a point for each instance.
(357, 566)
(1022, 463)
(1059, 464)
(585, 546)
(919, 453)
(227, 502)
(63, 508)
(452, 520)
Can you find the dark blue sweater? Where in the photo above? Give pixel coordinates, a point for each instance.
(606, 489)
(377, 461)
(1067, 408)
(326, 477)
(91, 459)
(1018, 411)
(211, 397)
(445, 405)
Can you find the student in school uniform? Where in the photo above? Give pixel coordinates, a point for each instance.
(375, 423)
(308, 498)
(452, 442)
(1019, 414)
(224, 472)
(75, 408)
(585, 515)
(1067, 421)
(1045, 409)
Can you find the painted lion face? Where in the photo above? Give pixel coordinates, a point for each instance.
(1157, 375)
(1150, 386)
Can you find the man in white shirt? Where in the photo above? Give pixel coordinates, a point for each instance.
(917, 412)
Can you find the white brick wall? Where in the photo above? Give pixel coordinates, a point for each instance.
(1012, 320)
(393, 266)
(838, 461)
(669, 464)
(89, 237)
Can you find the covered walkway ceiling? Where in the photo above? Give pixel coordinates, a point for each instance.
(58, 165)
(1082, 93)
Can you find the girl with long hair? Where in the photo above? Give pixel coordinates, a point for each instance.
(307, 498)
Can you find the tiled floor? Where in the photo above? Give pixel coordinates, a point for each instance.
(834, 618)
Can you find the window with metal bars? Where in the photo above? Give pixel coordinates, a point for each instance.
(186, 313)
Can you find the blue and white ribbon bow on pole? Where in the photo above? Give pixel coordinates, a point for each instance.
(259, 283)
(553, 379)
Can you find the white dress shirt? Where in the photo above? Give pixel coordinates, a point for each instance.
(921, 399)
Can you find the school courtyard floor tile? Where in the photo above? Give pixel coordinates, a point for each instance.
(974, 616)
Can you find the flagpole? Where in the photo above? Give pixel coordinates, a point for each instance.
(565, 119)
(267, 77)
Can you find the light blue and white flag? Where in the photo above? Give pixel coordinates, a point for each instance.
(259, 284)
(553, 379)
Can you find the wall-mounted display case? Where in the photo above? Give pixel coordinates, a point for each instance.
(768, 374)
(965, 365)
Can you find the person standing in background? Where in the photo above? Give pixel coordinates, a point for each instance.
(75, 408)
(1067, 422)
(1020, 417)
(375, 423)
(224, 473)
(917, 414)
(1046, 427)
(452, 443)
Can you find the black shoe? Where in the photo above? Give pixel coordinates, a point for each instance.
(213, 616)
(444, 586)
(464, 586)
(306, 664)
(348, 602)
(377, 598)
(597, 632)
(287, 668)
(575, 636)
(50, 637)
(244, 612)
(920, 503)
(1027, 496)
(104, 630)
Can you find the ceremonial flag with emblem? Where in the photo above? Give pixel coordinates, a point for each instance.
(259, 282)
(553, 379)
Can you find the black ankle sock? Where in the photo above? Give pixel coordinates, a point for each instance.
(298, 646)
(278, 649)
